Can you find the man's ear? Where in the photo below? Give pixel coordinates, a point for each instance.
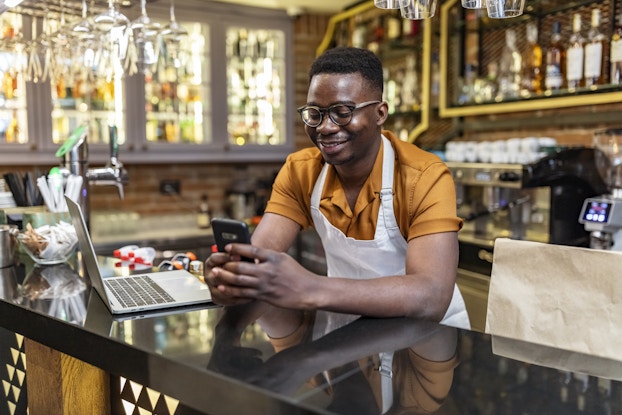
(382, 112)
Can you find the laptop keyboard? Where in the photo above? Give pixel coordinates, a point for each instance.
(140, 290)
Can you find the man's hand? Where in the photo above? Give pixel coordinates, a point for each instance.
(274, 277)
(213, 280)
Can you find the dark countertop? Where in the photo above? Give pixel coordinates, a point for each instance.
(178, 353)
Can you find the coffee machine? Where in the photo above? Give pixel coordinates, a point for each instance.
(538, 201)
(602, 215)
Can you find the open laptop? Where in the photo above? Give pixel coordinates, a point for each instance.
(136, 292)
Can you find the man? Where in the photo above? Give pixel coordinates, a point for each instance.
(385, 211)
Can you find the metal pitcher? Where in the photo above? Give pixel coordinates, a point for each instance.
(8, 244)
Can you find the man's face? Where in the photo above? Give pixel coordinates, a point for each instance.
(355, 141)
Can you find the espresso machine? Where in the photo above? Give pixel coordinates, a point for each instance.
(602, 215)
(537, 201)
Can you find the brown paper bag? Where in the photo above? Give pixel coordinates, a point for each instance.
(559, 296)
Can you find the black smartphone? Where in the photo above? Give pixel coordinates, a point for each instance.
(228, 231)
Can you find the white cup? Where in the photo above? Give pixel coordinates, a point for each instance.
(470, 151)
(455, 151)
(388, 4)
(418, 9)
(529, 145)
(484, 151)
(474, 4)
(502, 9)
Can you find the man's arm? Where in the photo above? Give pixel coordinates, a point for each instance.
(424, 292)
(275, 232)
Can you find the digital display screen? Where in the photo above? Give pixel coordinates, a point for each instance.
(597, 212)
(483, 176)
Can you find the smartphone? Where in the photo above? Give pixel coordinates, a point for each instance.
(228, 231)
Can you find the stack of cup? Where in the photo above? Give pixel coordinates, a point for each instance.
(410, 9)
(474, 4)
(388, 4)
(418, 9)
(502, 9)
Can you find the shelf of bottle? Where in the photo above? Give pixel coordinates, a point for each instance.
(405, 114)
(239, 62)
(534, 9)
(74, 104)
(170, 116)
(74, 113)
(528, 96)
(244, 92)
(14, 103)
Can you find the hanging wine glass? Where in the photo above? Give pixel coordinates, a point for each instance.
(86, 45)
(34, 71)
(63, 52)
(172, 36)
(145, 37)
(84, 28)
(110, 19)
(18, 44)
(45, 46)
(113, 27)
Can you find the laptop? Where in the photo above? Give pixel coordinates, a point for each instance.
(136, 292)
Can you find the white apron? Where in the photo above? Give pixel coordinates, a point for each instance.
(366, 259)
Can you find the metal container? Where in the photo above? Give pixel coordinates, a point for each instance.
(8, 244)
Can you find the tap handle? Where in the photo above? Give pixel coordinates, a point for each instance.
(120, 189)
(114, 143)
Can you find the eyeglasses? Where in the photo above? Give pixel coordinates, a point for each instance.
(340, 114)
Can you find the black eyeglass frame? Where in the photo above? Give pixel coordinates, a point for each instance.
(327, 110)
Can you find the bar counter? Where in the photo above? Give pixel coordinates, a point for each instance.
(194, 361)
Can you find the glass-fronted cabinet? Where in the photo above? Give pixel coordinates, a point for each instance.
(13, 121)
(255, 86)
(177, 91)
(95, 104)
(219, 94)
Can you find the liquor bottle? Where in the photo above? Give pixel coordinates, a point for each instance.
(410, 29)
(555, 61)
(574, 55)
(13, 133)
(435, 82)
(410, 86)
(359, 34)
(594, 67)
(204, 217)
(375, 34)
(510, 66)
(616, 52)
(393, 26)
(532, 62)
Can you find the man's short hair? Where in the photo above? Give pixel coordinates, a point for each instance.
(348, 60)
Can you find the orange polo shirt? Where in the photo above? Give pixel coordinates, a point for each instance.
(424, 193)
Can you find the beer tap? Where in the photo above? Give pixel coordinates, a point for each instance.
(75, 155)
(113, 174)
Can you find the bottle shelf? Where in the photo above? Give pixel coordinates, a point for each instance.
(480, 44)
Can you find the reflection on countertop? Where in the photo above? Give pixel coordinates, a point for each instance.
(111, 230)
